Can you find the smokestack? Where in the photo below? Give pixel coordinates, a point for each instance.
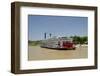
(45, 35)
(50, 35)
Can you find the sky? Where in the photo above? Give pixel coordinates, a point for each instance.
(59, 26)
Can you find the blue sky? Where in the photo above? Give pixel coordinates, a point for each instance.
(59, 26)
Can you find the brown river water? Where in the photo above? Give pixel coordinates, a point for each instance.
(38, 53)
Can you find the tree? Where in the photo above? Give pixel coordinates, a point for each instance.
(76, 39)
(79, 40)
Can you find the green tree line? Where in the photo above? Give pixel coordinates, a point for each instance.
(80, 40)
(34, 43)
(76, 40)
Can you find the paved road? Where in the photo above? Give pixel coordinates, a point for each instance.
(38, 53)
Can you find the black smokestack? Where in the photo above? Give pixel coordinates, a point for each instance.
(50, 35)
(45, 35)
